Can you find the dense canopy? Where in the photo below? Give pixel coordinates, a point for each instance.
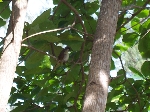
(38, 88)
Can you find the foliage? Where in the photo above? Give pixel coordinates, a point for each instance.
(40, 88)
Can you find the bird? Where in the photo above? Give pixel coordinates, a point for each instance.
(62, 57)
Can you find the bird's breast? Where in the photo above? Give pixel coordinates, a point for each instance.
(66, 57)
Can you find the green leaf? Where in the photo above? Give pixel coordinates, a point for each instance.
(140, 3)
(137, 85)
(90, 26)
(74, 73)
(127, 2)
(69, 95)
(121, 47)
(36, 90)
(75, 45)
(34, 60)
(136, 72)
(120, 75)
(120, 20)
(65, 10)
(20, 70)
(55, 2)
(123, 31)
(6, 11)
(42, 18)
(51, 81)
(143, 13)
(130, 38)
(144, 46)
(117, 36)
(32, 71)
(21, 107)
(124, 100)
(111, 95)
(42, 93)
(62, 23)
(19, 96)
(116, 53)
(146, 69)
(112, 65)
(135, 24)
(69, 37)
(50, 38)
(90, 8)
(74, 41)
(146, 23)
(111, 105)
(45, 63)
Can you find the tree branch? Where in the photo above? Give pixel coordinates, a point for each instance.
(76, 13)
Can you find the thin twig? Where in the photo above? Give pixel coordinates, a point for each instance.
(133, 15)
(136, 24)
(31, 47)
(145, 34)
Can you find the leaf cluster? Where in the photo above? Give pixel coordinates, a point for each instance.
(39, 88)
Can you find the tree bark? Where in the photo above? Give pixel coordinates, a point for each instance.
(11, 50)
(98, 80)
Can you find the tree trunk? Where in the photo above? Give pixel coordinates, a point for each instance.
(98, 81)
(11, 50)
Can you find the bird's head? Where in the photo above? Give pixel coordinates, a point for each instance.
(67, 48)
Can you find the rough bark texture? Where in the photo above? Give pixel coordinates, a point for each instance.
(11, 50)
(97, 87)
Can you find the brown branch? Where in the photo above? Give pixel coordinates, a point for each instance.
(52, 48)
(47, 31)
(31, 47)
(76, 13)
(124, 72)
(133, 15)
